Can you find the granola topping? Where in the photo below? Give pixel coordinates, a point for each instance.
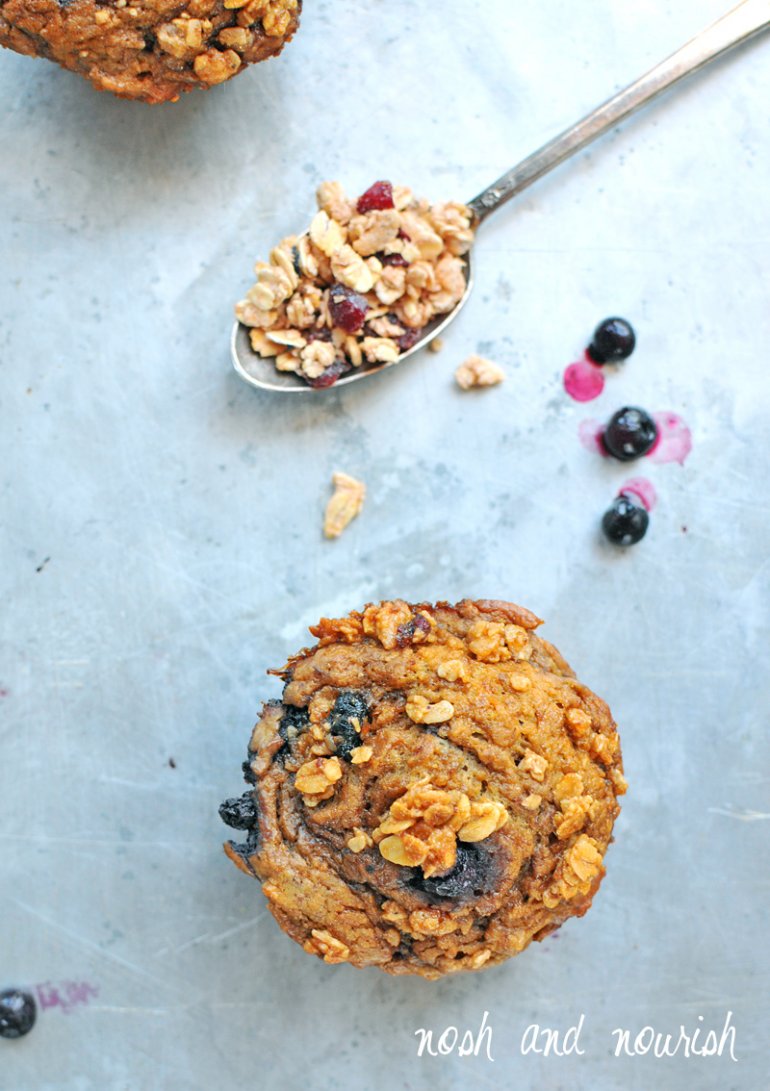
(423, 825)
(316, 779)
(401, 255)
(326, 945)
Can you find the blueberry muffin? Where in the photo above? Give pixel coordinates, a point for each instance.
(150, 49)
(434, 791)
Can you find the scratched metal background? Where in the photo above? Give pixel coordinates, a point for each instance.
(161, 535)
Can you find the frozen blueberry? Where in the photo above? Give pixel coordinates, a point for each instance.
(625, 522)
(239, 813)
(629, 434)
(613, 339)
(17, 1013)
(350, 706)
(470, 877)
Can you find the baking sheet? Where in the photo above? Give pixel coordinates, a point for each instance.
(162, 542)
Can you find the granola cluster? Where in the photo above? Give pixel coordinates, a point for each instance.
(434, 791)
(476, 371)
(424, 824)
(359, 287)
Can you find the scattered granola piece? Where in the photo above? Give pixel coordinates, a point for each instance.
(476, 371)
(345, 504)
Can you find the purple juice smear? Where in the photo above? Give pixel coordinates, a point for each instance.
(590, 434)
(639, 488)
(584, 380)
(674, 441)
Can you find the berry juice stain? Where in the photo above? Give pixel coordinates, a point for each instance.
(674, 441)
(584, 379)
(590, 434)
(673, 444)
(639, 488)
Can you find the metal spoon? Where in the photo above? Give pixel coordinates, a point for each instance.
(745, 21)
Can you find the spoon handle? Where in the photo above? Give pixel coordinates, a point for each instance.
(744, 21)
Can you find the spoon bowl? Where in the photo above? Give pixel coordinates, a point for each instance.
(743, 22)
(262, 372)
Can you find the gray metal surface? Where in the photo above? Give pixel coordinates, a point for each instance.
(162, 546)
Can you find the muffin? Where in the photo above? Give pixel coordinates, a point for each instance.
(434, 791)
(150, 50)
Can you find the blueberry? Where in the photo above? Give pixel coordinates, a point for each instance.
(470, 877)
(240, 813)
(349, 706)
(294, 720)
(625, 522)
(613, 339)
(17, 1013)
(629, 434)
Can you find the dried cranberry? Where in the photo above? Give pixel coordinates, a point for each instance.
(405, 633)
(323, 334)
(331, 375)
(408, 340)
(378, 196)
(393, 259)
(347, 308)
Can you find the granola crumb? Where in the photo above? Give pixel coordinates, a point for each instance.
(345, 504)
(476, 371)
(436, 345)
